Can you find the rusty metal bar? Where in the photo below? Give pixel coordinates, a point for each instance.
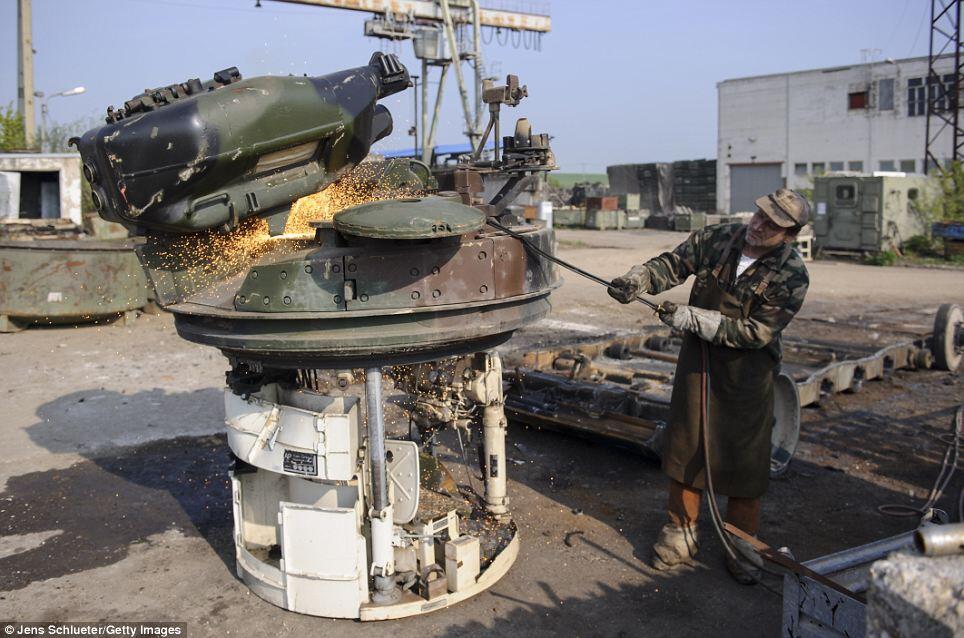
(788, 563)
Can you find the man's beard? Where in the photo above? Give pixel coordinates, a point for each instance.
(766, 242)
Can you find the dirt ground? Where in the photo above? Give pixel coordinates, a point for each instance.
(114, 502)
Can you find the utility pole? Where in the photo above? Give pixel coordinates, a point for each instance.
(25, 71)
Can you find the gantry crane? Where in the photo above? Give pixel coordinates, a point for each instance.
(438, 31)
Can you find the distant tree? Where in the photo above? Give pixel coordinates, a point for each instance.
(12, 136)
(951, 196)
(946, 201)
(57, 135)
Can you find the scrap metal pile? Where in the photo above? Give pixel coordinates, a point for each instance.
(619, 388)
(309, 300)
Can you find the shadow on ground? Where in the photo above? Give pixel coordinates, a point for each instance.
(118, 496)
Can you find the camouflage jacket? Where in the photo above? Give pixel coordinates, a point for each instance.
(770, 310)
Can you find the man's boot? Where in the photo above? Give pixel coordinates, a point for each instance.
(675, 546)
(747, 569)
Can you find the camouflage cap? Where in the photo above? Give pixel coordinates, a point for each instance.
(786, 208)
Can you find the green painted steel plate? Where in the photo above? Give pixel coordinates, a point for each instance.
(415, 218)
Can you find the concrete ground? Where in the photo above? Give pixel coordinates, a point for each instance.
(114, 503)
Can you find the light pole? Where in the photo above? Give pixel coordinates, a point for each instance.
(77, 90)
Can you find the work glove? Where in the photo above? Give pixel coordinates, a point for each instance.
(625, 289)
(700, 321)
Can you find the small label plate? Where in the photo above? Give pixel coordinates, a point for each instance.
(301, 463)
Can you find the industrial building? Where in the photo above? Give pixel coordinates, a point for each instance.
(783, 129)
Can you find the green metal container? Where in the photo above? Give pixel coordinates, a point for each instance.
(869, 214)
(68, 281)
(689, 222)
(637, 219)
(569, 217)
(606, 219)
(629, 202)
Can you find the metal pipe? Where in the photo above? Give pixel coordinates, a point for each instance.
(415, 121)
(382, 523)
(859, 555)
(478, 65)
(482, 140)
(376, 437)
(493, 440)
(496, 138)
(654, 354)
(426, 152)
(436, 113)
(493, 432)
(613, 372)
(940, 540)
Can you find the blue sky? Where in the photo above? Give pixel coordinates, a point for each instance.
(615, 81)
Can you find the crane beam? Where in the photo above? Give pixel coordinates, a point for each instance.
(431, 11)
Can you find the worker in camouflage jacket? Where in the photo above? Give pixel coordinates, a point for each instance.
(749, 283)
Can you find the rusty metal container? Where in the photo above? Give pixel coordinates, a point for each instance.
(607, 202)
(68, 281)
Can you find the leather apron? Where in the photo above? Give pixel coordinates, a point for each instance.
(740, 395)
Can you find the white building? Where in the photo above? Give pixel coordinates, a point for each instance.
(40, 186)
(783, 129)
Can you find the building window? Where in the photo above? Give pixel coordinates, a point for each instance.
(800, 169)
(887, 165)
(836, 166)
(938, 90)
(916, 97)
(857, 100)
(855, 166)
(885, 94)
(818, 168)
(908, 166)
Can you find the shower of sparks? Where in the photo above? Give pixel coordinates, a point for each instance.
(358, 187)
(200, 259)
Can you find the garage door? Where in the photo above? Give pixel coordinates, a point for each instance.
(751, 181)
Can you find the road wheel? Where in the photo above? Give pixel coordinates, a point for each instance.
(786, 424)
(948, 333)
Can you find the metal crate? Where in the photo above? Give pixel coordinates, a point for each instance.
(812, 610)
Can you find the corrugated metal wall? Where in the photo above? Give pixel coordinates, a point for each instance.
(747, 182)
